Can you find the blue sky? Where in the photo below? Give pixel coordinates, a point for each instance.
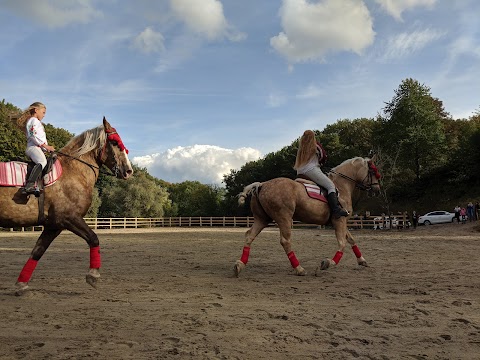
(198, 87)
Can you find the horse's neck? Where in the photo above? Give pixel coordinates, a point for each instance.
(81, 166)
(345, 185)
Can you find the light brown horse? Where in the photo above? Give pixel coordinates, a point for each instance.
(67, 201)
(284, 200)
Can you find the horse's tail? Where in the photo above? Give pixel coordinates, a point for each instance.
(248, 191)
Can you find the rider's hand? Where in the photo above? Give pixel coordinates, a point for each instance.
(49, 148)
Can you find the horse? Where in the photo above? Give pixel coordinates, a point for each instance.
(284, 200)
(66, 202)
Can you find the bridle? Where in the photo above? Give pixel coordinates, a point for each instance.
(112, 137)
(372, 173)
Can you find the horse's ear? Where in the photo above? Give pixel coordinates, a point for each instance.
(106, 124)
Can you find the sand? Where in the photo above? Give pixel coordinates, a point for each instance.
(171, 294)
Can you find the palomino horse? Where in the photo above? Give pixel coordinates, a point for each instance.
(284, 200)
(67, 201)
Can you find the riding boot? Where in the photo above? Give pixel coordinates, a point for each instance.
(35, 174)
(335, 208)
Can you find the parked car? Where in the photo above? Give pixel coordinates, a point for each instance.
(436, 217)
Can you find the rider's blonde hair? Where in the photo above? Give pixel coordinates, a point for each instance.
(306, 149)
(21, 119)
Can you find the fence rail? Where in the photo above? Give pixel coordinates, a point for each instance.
(371, 222)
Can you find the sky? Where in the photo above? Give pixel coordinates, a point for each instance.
(196, 88)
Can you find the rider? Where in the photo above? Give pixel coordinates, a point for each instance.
(310, 158)
(36, 142)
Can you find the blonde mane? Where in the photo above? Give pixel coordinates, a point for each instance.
(351, 161)
(87, 141)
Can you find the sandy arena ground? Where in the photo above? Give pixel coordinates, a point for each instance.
(171, 294)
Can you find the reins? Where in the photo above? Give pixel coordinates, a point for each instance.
(91, 166)
(358, 184)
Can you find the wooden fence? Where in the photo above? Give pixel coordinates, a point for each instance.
(371, 222)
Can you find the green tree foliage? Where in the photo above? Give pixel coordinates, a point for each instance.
(463, 148)
(139, 196)
(57, 137)
(346, 139)
(12, 140)
(192, 198)
(95, 206)
(413, 124)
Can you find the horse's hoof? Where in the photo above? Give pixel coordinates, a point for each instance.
(237, 269)
(300, 271)
(21, 288)
(92, 277)
(325, 264)
(363, 263)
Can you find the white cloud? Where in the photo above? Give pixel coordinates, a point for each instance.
(204, 163)
(404, 44)
(149, 41)
(205, 17)
(311, 30)
(396, 7)
(54, 13)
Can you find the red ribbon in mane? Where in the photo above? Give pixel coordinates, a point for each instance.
(375, 171)
(112, 135)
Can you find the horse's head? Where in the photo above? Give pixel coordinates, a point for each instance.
(114, 154)
(372, 179)
(361, 172)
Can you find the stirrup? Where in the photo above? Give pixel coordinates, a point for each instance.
(33, 190)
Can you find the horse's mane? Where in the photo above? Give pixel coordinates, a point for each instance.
(351, 161)
(87, 141)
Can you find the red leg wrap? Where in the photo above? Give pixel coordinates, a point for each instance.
(27, 271)
(356, 251)
(337, 257)
(245, 254)
(95, 260)
(293, 259)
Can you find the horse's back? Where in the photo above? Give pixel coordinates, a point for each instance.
(288, 197)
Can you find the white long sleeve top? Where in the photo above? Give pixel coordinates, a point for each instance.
(309, 165)
(36, 135)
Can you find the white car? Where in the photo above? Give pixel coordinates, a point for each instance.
(436, 217)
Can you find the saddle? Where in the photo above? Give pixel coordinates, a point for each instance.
(312, 189)
(16, 173)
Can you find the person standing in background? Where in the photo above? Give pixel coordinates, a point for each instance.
(414, 219)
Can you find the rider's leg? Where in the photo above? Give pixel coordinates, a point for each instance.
(38, 157)
(324, 181)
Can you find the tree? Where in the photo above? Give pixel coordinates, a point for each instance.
(347, 139)
(140, 196)
(57, 137)
(12, 140)
(413, 124)
(193, 198)
(95, 206)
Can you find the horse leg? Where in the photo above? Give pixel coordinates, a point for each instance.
(42, 244)
(286, 241)
(250, 235)
(341, 235)
(79, 227)
(356, 250)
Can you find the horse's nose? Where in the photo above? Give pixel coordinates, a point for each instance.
(128, 173)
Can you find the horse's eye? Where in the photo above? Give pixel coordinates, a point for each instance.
(114, 143)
